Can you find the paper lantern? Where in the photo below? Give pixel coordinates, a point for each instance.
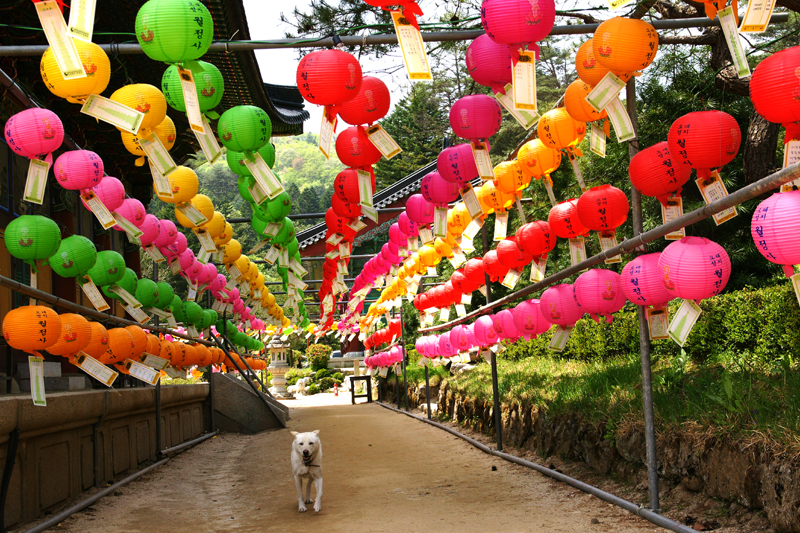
(176, 247)
(511, 255)
(354, 148)
(166, 294)
(153, 345)
(224, 237)
(535, 238)
(32, 238)
(231, 251)
(108, 268)
(576, 105)
(139, 338)
(599, 292)
(110, 191)
(774, 229)
(345, 186)
(147, 292)
(475, 117)
(184, 184)
(624, 44)
(202, 203)
(456, 164)
(654, 172)
(537, 160)
(244, 128)
(446, 347)
(78, 169)
(192, 313)
(564, 220)
(603, 208)
(216, 225)
(484, 331)
(529, 319)
(704, 140)
(166, 234)
(518, 23)
(694, 268)
(150, 229)
(95, 63)
(559, 305)
(494, 198)
(145, 99)
(474, 270)
(120, 346)
(75, 256)
(208, 82)
(419, 210)
(463, 283)
(408, 226)
(437, 190)
(489, 63)
(329, 77)
(496, 269)
(557, 129)
(286, 232)
(504, 325)
(428, 256)
(165, 131)
(34, 133)
(370, 104)
(128, 281)
(775, 90)
(174, 31)
(133, 211)
(510, 179)
(98, 343)
(31, 328)
(236, 160)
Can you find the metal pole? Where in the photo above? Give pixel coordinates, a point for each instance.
(211, 419)
(397, 388)
(498, 420)
(360, 40)
(403, 348)
(428, 391)
(644, 334)
(159, 443)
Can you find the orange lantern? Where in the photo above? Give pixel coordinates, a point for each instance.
(509, 178)
(576, 105)
(31, 328)
(442, 248)
(589, 69)
(539, 161)
(98, 344)
(482, 192)
(76, 333)
(153, 345)
(190, 357)
(458, 219)
(139, 338)
(120, 346)
(625, 45)
(204, 356)
(557, 129)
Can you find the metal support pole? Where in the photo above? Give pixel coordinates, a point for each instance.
(428, 391)
(498, 421)
(644, 334)
(397, 388)
(404, 362)
(159, 442)
(211, 418)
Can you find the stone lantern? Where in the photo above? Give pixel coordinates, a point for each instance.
(278, 367)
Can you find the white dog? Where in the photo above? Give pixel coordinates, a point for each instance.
(307, 463)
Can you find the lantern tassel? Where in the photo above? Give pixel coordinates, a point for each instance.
(411, 11)
(788, 270)
(139, 161)
(792, 132)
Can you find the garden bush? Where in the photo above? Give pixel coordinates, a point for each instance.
(312, 389)
(338, 376)
(324, 373)
(296, 373)
(326, 383)
(319, 355)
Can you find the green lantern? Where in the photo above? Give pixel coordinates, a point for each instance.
(165, 295)
(244, 192)
(240, 339)
(207, 79)
(293, 248)
(74, 257)
(174, 31)
(209, 317)
(192, 313)
(109, 268)
(32, 238)
(236, 159)
(231, 328)
(277, 208)
(258, 224)
(244, 128)
(286, 233)
(176, 306)
(129, 281)
(147, 292)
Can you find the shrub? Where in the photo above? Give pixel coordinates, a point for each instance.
(296, 373)
(319, 355)
(324, 373)
(338, 376)
(313, 389)
(326, 383)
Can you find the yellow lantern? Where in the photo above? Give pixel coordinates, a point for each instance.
(145, 99)
(200, 202)
(216, 225)
(510, 179)
(231, 251)
(165, 132)
(185, 185)
(442, 248)
(458, 219)
(95, 63)
(243, 264)
(224, 237)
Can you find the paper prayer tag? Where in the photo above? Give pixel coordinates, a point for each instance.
(326, 130)
(525, 118)
(365, 188)
(81, 19)
(560, 338)
(500, 225)
(90, 290)
(208, 142)
(712, 189)
(157, 154)
(471, 201)
(620, 120)
(96, 369)
(36, 181)
(608, 241)
(414, 56)
(192, 103)
(672, 211)
(683, 322)
(728, 22)
(524, 79)
(480, 152)
(604, 92)
(658, 322)
(114, 113)
(61, 44)
(598, 140)
(383, 141)
(756, 18)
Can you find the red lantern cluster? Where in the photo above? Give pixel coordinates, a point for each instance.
(385, 335)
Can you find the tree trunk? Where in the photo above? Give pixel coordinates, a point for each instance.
(760, 148)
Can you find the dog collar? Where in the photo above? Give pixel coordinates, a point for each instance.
(310, 459)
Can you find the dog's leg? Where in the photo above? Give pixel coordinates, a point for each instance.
(318, 502)
(308, 492)
(298, 483)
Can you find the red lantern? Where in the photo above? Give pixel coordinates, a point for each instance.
(335, 223)
(564, 221)
(511, 255)
(354, 148)
(476, 117)
(494, 267)
(345, 186)
(450, 293)
(654, 172)
(345, 209)
(489, 63)
(704, 140)
(329, 77)
(603, 208)
(474, 269)
(536, 238)
(370, 104)
(462, 282)
(775, 90)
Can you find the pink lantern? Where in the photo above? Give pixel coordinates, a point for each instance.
(518, 23)
(437, 190)
(456, 164)
(695, 268)
(504, 325)
(186, 260)
(110, 191)
(208, 275)
(197, 268)
(774, 229)
(461, 338)
(419, 210)
(560, 306)
(397, 236)
(408, 226)
(476, 117)
(389, 255)
(446, 348)
(217, 284)
(176, 247)
(484, 331)
(599, 293)
(167, 232)
(77, 170)
(150, 229)
(133, 211)
(489, 63)
(34, 133)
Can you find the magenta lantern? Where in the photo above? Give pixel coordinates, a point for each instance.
(641, 281)
(504, 325)
(167, 232)
(446, 348)
(489, 63)
(133, 211)
(397, 236)
(599, 293)
(110, 191)
(705, 140)
(484, 331)
(34, 133)
(529, 319)
(437, 190)
(461, 338)
(476, 117)
(150, 229)
(560, 306)
(518, 23)
(77, 170)
(419, 210)
(456, 164)
(775, 229)
(408, 226)
(694, 268)
(186, 260)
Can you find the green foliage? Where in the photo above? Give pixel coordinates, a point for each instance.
(319, 355)
(338, 376)
(324, 373)
(312, 389)
(296, 373)
(326, 383)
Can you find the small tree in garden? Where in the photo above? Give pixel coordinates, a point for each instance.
(319, 355)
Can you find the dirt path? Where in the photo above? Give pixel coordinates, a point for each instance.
(383, 472)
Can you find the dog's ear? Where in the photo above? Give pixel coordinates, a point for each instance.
(315, 432)
(294, 433)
